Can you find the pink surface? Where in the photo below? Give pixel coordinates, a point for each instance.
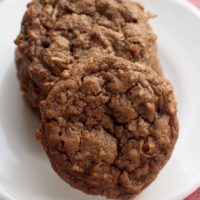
(196, 2)
(196, 194)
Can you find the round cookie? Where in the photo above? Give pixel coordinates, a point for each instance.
(109, 126)
(55, 34)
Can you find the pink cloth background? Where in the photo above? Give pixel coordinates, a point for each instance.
(196, 194)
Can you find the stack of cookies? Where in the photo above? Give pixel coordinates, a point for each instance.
(90, 69)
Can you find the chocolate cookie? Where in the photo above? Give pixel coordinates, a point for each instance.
(31, 92)
(55, 34)
(109, 126)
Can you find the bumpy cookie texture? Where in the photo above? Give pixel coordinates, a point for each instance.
(32, 94)
(56, 33)
(109, 126)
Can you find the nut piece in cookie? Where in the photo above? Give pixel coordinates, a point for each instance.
(109, 126)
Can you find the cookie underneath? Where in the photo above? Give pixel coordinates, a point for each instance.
(109, 126)
(54, 34)
(32, 94)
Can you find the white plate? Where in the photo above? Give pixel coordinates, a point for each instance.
(25, 173)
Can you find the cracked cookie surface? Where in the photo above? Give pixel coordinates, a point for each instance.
(109, 126)
(55, 34)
